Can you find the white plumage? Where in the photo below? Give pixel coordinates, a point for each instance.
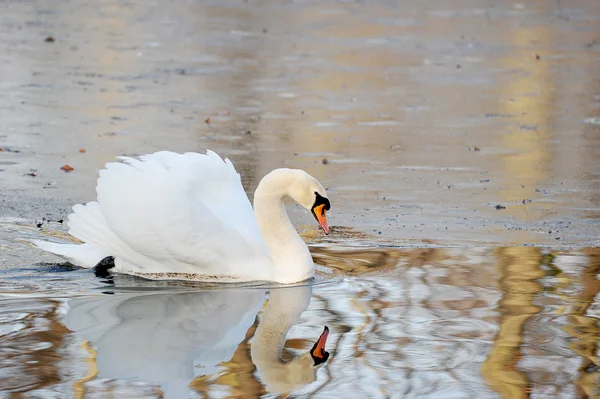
(169, 215)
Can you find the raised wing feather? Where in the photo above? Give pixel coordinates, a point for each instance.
(180, 213)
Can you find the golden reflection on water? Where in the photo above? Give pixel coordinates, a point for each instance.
(30, 355)
(519, 270)
(79, 390)
(584, 329)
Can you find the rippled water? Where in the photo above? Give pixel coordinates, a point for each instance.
(448, 323)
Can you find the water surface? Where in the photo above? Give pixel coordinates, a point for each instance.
(484, 322)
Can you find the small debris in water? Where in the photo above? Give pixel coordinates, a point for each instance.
(500, 207)
(247, 132)
(6, 149)
(474, 149)
(484, 181)
(67, 168)
(526, 201)
(32, 174)
(207, 121)
(265, 30)
(82, 150)
(49, 39)
(537, 57)
(324, 161)
(458, 66)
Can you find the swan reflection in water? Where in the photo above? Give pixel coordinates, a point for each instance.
(172, 338)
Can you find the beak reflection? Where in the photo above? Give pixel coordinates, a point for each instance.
(318, 352)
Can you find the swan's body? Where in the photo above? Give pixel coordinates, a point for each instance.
(169, 215)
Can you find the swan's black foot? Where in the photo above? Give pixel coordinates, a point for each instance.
(101, 269)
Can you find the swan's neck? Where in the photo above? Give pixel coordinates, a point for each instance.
(292, 261)
(283, 310)
(269, 339)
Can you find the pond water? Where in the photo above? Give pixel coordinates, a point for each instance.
(458, 142)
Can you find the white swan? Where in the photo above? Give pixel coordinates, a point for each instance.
(186, 216)
(172, 338)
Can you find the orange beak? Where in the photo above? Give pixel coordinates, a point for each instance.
(318, 352)
(319, 212)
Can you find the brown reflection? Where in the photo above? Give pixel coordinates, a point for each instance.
(239, 374)
(519, 269)
(584, 329)
(30, 358)
(355, 261)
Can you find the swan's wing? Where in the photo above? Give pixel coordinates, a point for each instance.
(184, 213)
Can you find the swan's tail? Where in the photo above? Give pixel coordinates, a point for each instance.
(87, 223)
(85, 255)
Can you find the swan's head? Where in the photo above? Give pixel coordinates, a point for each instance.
(308, 192)
(301, 187)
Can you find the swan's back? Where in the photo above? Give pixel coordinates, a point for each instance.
(169, 215)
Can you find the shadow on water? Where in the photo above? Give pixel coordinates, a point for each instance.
(487, 322)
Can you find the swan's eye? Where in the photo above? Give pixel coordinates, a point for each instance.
(320, 200)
